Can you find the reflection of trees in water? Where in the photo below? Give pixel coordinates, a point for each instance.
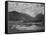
(16, 25)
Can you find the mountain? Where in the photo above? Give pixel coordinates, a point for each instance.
(15, 16)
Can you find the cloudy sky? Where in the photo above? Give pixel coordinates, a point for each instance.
(29, 8)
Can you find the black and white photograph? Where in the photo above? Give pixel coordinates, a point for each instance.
(24, 17)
